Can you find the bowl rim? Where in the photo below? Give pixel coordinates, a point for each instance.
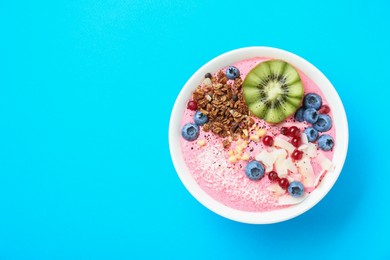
(339, 118)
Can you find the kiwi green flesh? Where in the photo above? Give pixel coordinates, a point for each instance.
(273, 90)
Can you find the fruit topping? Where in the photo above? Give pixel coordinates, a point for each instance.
(311, 134)
(296, 141)
(299, 114)
(232, 72)
(273, 176)
(254, 170)
(312, 100)
(268, 140)
(190, 132)
(283, 183)
(323, 124)
(297, 155)
(273, 90)
(293, 131)
(208, 75)
(284, 130)
(325, 109)
(325, 142)
(296, 189)
(200, 118)
(192, 105)
(310, 115)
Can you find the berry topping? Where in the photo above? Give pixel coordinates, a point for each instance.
(325, 142)
(208, 75)
(268, 140)
(192, 105)
(273, 176)
(299, 114)
(323, 124)
(297, 155)
(310, 115)
(296, 189)
(312, 100)
(293, 132)
(296, 141)
(284, 130)
(311, 134)
(200, 118)
(325, 109)
(235, 98)
(283, 183)
(190, 132)
(254, 170)
(232, 72)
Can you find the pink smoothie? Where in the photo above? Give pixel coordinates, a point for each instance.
(226, 182)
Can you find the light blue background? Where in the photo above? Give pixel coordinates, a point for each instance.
(86, 91)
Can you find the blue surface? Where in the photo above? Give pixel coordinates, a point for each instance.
(86, 91)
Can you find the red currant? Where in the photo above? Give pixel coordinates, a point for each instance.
(284, 130)
(297, 155)
(296, 141)
(273, 176)
(325, 109)
(191, 105)
(283, 183)
(293, 132)
(268, 140)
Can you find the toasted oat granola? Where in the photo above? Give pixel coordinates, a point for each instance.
(223, 103)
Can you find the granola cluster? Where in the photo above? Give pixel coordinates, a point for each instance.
(223, 103)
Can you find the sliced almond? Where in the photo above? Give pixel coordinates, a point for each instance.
(279, 153)
(275, 188)
(279, 142)
(325, 163)
(306, 169)
(311, 150)
(266, 158)
(291, 166)
(281, 168)
(304, 139)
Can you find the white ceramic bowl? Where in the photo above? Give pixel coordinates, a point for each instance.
(339, 119)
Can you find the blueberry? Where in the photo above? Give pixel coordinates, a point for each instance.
(312, 100)
(190, 132)
(325, 142)
(232, 72)
(200, 118)
(299, 114)
(323, 124)
(254, 170)
(310, 115)
(311, 134)
(296, 189)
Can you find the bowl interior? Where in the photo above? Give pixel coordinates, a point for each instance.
(339, 118)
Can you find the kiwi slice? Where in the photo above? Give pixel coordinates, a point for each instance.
(273, 90)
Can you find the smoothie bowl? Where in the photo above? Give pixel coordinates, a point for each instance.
(258, 135)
